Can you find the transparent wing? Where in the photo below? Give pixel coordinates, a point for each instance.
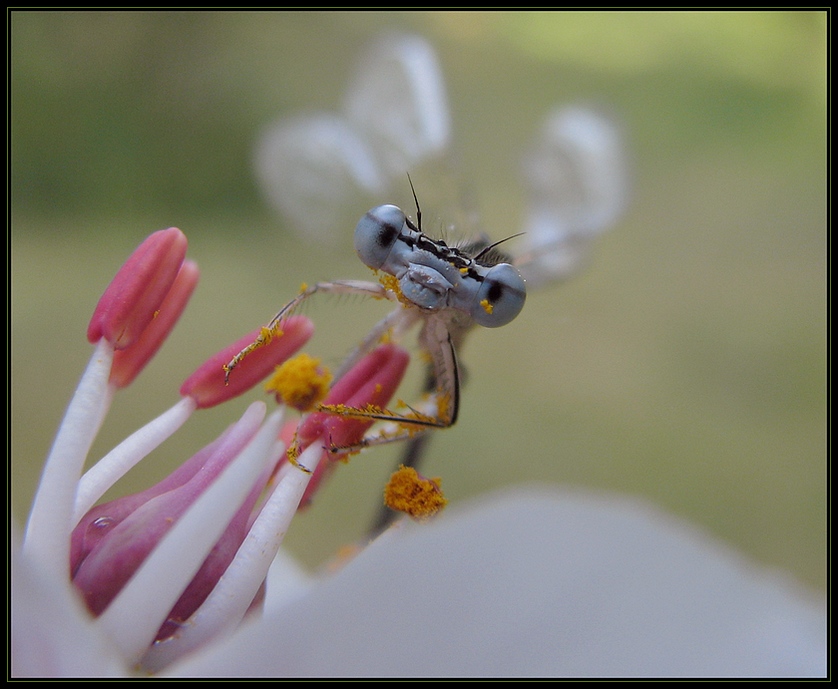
(397, 100)
(320, 169)
(313, 170)
(577, 183)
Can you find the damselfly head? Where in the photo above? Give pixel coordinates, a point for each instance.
(434, 276)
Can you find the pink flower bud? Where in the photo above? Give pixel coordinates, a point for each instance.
(129, 362)
(112, 540)
(138, 289)
(372, 381)
(208, 387)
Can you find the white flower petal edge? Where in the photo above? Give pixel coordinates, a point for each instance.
(52, 635)
(537, 583)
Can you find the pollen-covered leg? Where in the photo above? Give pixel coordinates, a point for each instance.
(274, 328)
(437, 410)
(398, 425)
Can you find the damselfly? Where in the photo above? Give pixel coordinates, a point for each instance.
(395, 120)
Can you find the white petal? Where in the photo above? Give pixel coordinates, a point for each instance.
(51, 633)
(538, 584)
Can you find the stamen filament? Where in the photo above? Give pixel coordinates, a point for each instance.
(226, 606)
(136, 613)
(47, 538)
(114, 465)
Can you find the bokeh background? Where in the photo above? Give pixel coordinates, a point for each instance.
(686, 366)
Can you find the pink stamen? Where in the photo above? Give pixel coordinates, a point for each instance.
(113, 539)
(207, 386)
(372, 381)
(129, 362)
(138, 289)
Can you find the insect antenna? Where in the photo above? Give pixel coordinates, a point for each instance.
(485, 250)
(416, 201)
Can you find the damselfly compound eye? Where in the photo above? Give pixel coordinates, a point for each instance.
(500, 298)
(377, 233)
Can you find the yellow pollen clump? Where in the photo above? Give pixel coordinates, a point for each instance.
(368, 411)
(391, 282)
(409, 492)
(487, 307)
(266, 335)
(300, 382)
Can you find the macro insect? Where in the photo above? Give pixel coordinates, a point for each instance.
(394, 121)
(443, 289)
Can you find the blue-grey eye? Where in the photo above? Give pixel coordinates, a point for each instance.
(376, 234)
(500, 298)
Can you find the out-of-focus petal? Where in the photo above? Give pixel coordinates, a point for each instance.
(532, 584)
(51, 633)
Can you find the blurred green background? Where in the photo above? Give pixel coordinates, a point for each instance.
(687, 365)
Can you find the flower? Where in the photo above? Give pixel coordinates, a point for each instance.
(529, 582)
(149, 566)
